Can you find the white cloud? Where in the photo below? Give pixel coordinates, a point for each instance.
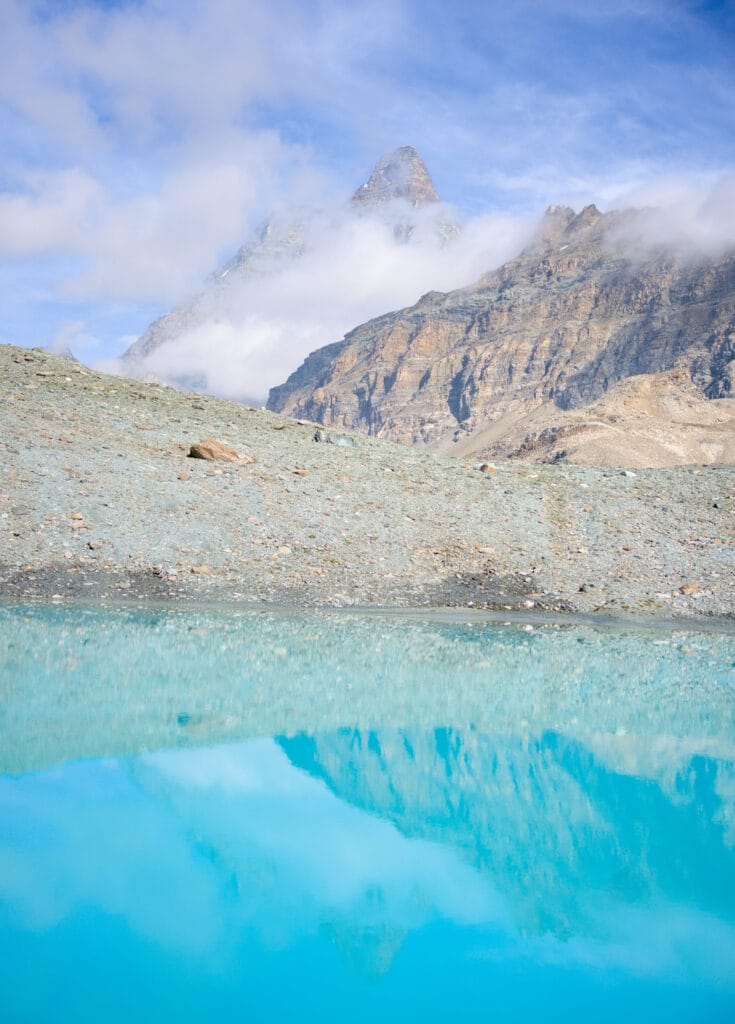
(74, 337)
(156, 244)
(160, 244)
(54, 211)
(681, 211)
(354, 268)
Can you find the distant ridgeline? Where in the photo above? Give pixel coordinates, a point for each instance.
(588, 304)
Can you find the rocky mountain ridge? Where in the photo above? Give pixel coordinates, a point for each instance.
(399, 175)
(587, 304)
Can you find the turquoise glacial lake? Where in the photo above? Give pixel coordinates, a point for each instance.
(259, 816)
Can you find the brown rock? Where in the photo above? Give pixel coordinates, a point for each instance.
(521, 363)
(218, 451)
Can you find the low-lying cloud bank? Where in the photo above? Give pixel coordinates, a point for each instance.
(677, 213)
(245, 334)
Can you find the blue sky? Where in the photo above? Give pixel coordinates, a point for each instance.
(143, 140)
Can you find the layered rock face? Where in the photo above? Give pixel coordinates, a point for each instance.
(589, 303)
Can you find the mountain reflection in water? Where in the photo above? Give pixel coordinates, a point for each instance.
(555, 826)
(210, 817)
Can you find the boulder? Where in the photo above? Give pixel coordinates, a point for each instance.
(218, 451)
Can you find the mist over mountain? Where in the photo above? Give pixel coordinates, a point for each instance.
(515, 364)
(307, 276)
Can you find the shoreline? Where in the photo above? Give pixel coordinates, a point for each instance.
(450, 614)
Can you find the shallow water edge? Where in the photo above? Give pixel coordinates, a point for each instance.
(83, 681)
(516, 613)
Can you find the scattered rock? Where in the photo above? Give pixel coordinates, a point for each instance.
(218, 451)
(343, 440)
(377, 525)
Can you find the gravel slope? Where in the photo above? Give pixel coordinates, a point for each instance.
(98, 500)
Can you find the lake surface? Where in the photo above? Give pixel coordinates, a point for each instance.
(259, 816)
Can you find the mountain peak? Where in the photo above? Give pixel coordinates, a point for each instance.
(563, 223)
(401, 174)
(587, 218)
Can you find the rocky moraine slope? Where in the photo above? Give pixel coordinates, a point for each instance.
(100, 500)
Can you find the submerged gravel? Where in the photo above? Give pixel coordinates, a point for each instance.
(100, 501)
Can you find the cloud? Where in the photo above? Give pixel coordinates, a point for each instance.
(156, 244)
(52, 212)
(246, 336)
(159, 245)
(249, 332)
(682, 212)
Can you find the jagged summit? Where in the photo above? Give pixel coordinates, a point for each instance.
(563, 224)
(398, 175)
